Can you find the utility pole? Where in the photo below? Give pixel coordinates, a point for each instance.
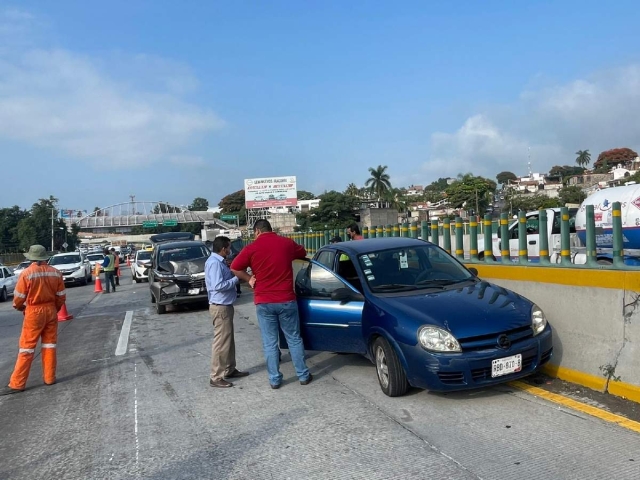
(52, 210)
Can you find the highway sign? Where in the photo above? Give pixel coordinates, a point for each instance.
(170, 223)
(228, 217)
(149, 224)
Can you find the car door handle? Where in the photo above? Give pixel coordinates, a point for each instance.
(532, 242)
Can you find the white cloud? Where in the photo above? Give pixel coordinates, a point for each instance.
(71, 104)
(597, 113)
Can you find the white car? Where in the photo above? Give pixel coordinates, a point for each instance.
(96, 258)
(139, 265)
(74, 266)
(7, 283)
(18, 270)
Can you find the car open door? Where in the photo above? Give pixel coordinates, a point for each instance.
(330, 311)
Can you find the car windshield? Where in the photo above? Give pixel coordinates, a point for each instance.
(413, 268)
(64, 259)
(182, 254)
(144, 255)
(95, 257)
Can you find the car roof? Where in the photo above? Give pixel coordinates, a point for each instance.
(65, 253)
(164, 246)
(359, 247)
(171, 237)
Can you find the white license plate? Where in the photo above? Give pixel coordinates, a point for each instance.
(194, 291)
(506, 365)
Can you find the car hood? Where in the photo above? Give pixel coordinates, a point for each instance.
(480, 308)
(186, 267)
(67, 266)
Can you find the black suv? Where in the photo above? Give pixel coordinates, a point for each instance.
(176, 271)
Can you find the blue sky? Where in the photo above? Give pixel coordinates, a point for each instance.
(175, 100)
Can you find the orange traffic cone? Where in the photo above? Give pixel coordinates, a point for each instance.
(63, 315)
(98, 283)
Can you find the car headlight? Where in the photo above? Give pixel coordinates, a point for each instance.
(538, 320)
(164, 277)
(436, 339)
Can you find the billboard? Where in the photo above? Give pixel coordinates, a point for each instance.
(270, 192)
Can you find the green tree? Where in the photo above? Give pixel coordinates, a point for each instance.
(199, 204)
(438, 186)
(9, 219)
(304, 195)
(571, 194)
(352, 190)
(583, 158)
(526, 202)
(379, 182)
(397, 199)
(471, 193)
(336, 210)
(505, 177)
(233, 202)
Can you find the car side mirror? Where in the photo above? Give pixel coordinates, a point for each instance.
(474, 271)
(346, 295)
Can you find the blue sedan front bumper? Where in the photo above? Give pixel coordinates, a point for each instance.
(472, 369)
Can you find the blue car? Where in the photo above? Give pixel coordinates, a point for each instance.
(419, 315)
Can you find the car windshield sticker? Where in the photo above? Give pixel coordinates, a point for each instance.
(371, 278)
(366, 261)
(404, 263)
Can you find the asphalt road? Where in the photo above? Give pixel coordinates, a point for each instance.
(150, 413)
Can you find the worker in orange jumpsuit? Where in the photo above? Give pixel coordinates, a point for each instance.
(39, 294)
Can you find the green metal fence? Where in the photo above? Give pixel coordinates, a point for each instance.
(434, 231)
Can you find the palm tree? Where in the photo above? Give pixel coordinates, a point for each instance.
(397, 199)
(584, 157)
(378, 183)
(352, 190)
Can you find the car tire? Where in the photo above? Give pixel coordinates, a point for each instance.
(391, 375)
(84, 280)
(3, 294)
(153, 299)
(605, 261)
(161, 309)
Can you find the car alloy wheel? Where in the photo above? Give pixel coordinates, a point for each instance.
(381, 367)
(391, 375)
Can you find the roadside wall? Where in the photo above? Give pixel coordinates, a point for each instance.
(595, 315)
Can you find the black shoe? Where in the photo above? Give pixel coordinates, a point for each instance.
(9, 391)
(237, 374)
(276, 386)
(220, 383)
(307, 381)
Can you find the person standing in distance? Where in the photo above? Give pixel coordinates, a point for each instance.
(221, 287)
(270, 257)
(116, 272)
(109, 265)
(39, 294)
(353, 231)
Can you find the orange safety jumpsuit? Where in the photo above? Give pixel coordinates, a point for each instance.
(117, 271)
(40, 294)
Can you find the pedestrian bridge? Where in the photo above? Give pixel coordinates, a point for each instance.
(144, 213)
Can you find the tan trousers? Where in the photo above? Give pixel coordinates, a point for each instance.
(223, 350)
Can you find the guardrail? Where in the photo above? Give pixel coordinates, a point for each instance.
(443, 233)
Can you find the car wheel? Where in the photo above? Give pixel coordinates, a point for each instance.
(391, 376)
(84, 280)
(3, 294)
(137, 280)
(481, 257)
(153, 299)
(605, 261)
(161, 308)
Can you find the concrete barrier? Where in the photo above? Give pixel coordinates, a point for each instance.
(596, 319)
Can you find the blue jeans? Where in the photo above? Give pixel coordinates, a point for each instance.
(271, 317)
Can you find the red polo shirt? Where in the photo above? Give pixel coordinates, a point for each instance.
(270, 258)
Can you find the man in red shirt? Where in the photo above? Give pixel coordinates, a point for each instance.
(353, 232)
(270, 257)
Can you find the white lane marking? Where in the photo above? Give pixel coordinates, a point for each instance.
(135, 408)
(123, 341)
